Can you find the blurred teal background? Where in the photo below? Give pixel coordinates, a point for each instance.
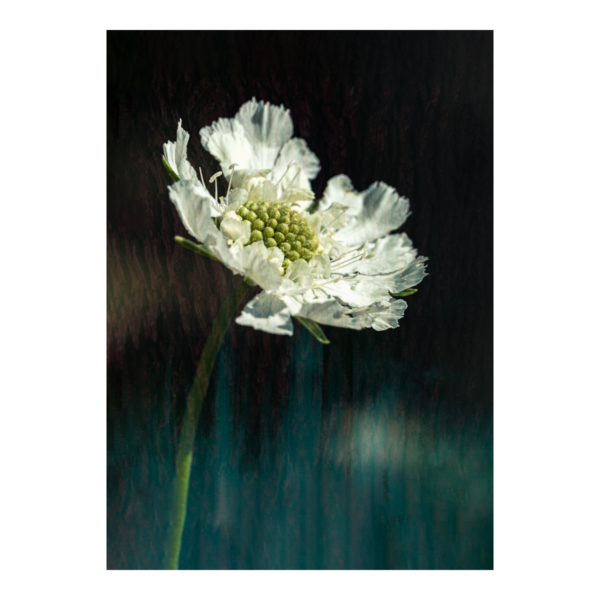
(375, 452)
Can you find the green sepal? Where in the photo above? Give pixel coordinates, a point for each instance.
(407, 292)
(314, 329)
(170, 171)
(195, 248)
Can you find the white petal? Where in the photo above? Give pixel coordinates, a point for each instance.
(388, 254)
(267, 129)
(300, 274)
(373, 213)
(234, 229)
(236, 199)
(269, 313)
(404, 278)
(254, 259)
(386, 316)
(226, 140)
(242, 176)
(320, 266)
(306, 169)
(194, 205)
(358, 292)
(275, 256)
(331, 312)
(176, 155)
(194, 208)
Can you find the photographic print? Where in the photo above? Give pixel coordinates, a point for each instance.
(299, 302)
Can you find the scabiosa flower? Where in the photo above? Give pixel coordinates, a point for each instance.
(335, 263)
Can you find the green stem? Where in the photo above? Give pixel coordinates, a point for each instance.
(190, 423)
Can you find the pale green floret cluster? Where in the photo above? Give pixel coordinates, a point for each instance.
(278, 225)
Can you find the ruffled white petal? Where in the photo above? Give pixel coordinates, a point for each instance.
(176, 155)
(242, 176)
(255, 260)
(404, 278)
(373, 213)
(386, 315)
(235, 230)
(227, 141)
(388, 254)
(269, 313)
(193, 203)
(300, 273)
(358, 291)
(300, 175)
(267, 129)
(331, 312)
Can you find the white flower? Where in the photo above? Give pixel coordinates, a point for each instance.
(335, 266)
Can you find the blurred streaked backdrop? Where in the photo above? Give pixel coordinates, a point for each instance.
(375, 452)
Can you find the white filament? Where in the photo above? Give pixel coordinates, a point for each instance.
(289, 185)
(214, 178)
(292, 162)
(232, 167)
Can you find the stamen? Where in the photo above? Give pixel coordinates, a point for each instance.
(332, 280)
(214, 178)
(201, 176)
(292, 162)
(349, 252)
(349, 261)
(289, 185)
(232, 167)
(340, 215)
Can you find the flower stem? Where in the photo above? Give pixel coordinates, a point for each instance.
(190, 423)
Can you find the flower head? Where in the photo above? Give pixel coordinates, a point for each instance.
(337, 264)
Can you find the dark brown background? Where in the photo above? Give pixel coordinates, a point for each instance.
(283, 476)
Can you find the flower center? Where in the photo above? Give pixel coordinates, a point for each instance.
(278, 225)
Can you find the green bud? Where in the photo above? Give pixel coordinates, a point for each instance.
(243, 212)
(250, 205)
(293, 255)
(294, 218)
(284, 219)
(297, 246)
(268, 232)
(251, 216)
(279, 237)
(276, 205)
(295, 228)
(306, 254)
(263, 215)
(258, 224)
(286, 263)
(270, 242)
(255, 236)
(272, 223)
(246, 221)
(314, 243)
(283, 228)
(303, 222)
(290, 237)
(285, 247)
(306, 244)
(274, 213)
(301, 239)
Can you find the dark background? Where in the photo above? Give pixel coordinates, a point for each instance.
(374, 452)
